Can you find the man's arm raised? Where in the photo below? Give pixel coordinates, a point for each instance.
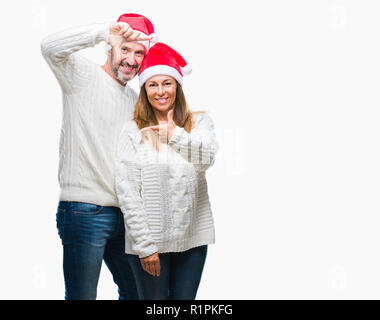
(58, 47)
(72, 71)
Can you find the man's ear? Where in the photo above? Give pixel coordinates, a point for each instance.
(109, 53)
(107, 63)
(107, 49)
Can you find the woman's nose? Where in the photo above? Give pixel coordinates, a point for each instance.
(160, 90)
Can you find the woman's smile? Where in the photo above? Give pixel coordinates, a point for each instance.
(162, 100)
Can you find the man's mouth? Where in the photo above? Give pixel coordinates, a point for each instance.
(127, 69)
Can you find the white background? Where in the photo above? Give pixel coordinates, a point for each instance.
(293, 88)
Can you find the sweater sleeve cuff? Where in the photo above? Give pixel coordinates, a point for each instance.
(102, 33)
(148, 251)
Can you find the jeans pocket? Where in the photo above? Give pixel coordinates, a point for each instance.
(60, 220)
(86, 209)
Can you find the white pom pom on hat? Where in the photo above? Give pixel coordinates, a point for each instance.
(163, 60)
(154, 39)
(187, 69)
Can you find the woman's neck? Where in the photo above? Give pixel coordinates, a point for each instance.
(161, 116)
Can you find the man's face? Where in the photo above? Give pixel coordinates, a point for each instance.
(126, 62)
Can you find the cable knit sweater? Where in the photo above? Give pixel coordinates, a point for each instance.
(95, 108)
(163, 194)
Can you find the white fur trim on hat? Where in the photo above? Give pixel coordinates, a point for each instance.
(144, 43)
(155, 38)
(159, 70)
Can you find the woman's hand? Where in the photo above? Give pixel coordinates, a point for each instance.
(151, 264)
(166, 128)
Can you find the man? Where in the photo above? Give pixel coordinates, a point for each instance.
(97, 101)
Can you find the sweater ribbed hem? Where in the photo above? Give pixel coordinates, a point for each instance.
(206, 237)
(98, 198)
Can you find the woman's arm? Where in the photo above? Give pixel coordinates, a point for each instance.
(199, 146)
(128, 189)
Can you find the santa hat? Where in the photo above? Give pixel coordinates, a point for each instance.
(139, 23)
(163, 60)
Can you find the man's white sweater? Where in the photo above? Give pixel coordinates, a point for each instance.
(95, 108)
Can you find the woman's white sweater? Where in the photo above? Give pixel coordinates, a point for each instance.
(163, 194)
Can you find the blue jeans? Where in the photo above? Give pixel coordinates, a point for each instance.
(180, 275)
(91, 233)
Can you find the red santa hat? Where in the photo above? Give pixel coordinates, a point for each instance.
(163, 60)
(139, 23)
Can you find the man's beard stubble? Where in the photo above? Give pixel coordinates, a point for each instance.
(118, 74)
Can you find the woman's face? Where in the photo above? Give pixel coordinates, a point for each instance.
(161, 92)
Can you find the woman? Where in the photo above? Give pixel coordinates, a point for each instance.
(160, 182)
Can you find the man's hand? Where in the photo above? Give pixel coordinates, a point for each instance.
(121, 31)
(151, 264)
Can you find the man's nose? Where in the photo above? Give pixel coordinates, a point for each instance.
(130, 58)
